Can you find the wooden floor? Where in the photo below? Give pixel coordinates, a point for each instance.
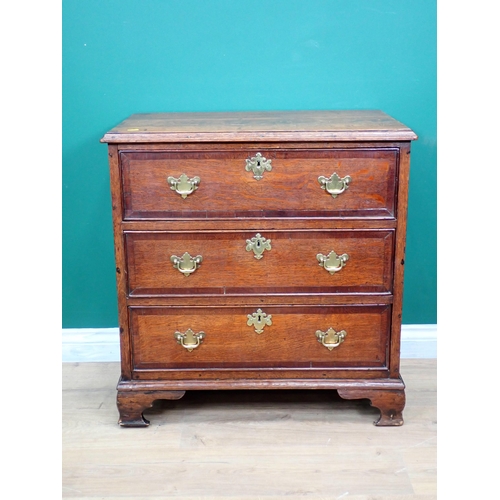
(247, 445)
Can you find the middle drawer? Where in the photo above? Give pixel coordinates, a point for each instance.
(245, 262)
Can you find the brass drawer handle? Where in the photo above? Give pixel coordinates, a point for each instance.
(334, 184)
(189, 340)
(259, 319)
(258, 164)
(331, 339)
(186, 264)
(184, 185)
(332, 262)
(258, 244)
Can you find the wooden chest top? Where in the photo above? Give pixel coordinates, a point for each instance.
(333, 125)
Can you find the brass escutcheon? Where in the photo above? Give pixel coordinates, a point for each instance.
(259, 320)
(184, 185)
(331, 339)
(332, 262)
(189, 340)
(334, 184)
(258, 165)
(186, 264)
(258, 244)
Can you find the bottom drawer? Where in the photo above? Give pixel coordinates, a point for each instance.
(292, 337)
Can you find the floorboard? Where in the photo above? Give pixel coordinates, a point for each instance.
(242, 445)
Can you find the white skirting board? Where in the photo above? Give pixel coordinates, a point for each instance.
(102, 344)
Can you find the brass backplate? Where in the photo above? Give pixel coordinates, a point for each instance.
(259, 319)
(258, 244)
(334, 184)
(331, 339)
(258, 165)
(189, 340)
(332, 262)
(184, 185)
(186, 264)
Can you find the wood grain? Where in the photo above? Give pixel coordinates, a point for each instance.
(390, 403)
(341, 125)
(243, 445)
(289, 341)
(227, 190)
(121, 268)
(399, 258)
(291, 265)
(131, 405)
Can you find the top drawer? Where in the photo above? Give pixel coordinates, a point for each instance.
(259, 183)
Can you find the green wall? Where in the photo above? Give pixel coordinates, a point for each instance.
(122, 57)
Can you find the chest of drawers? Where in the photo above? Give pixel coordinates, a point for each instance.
(259, 250)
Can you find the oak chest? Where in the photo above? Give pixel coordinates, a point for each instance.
(260, 250)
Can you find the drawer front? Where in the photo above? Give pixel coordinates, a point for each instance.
(243, 262)
(361, 182)
(272, 337)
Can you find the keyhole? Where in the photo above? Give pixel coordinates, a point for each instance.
(259, 318)
(258, 163)
(258, 244)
